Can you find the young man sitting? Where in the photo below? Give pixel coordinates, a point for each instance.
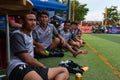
(22, 64)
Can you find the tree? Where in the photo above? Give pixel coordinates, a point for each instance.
(80, 11)
(113, 15)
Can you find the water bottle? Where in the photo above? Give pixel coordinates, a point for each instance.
(78, 76)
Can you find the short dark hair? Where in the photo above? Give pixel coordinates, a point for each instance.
(54, 17)
(24, 16)
(74, 23)
(43, 12)
(67, 21)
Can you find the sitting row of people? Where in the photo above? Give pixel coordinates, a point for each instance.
(23, 65)
(33, 38)
(71, 35)
(46, 37)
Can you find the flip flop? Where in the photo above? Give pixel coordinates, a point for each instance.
(85, 68)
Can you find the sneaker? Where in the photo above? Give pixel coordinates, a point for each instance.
(56, 54)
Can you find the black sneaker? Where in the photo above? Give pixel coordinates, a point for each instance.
(56, 54)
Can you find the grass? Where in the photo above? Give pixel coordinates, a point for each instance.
(105, 45)
(102, 58)
(108, 46)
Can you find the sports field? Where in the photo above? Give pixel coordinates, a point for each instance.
(103, 58)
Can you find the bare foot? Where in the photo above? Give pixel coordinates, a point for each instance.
(83, 51)
(77, 53)
(80, 52)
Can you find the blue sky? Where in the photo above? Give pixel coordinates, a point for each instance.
(97, 7)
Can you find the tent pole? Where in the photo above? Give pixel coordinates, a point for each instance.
(69, 10)
(7, 40)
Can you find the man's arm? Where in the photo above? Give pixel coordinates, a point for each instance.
(14, 24)
(38, 45)
(19, 49)
(55, 32)
(61, 39)
(30, 60)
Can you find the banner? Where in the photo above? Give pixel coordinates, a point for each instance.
(86, 29)
(113, 30)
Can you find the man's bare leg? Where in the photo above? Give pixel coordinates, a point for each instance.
(32, 75)
(58, 73)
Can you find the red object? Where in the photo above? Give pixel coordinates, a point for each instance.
(85, 29)
(11, 18)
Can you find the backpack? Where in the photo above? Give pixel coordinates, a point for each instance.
(71, 66)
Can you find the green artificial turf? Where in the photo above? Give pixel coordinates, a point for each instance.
(107, 45)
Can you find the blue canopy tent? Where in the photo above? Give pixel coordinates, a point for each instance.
(50, 5)
(60, 18)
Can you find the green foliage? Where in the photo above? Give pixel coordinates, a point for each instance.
(80, 10)
(113, 14)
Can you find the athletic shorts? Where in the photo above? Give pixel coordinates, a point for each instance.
(48, 48)
(20, 71)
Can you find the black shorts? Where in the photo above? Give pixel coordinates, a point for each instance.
(20, 71)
